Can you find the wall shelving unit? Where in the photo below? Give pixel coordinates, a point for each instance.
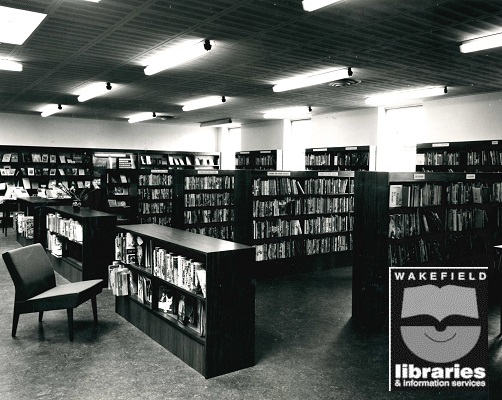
(219, 336)
(259, 159)
(472, 156)
(349, 158)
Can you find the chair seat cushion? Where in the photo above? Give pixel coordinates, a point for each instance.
(69, 295)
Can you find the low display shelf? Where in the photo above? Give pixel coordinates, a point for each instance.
(191, 293)
(79, 243)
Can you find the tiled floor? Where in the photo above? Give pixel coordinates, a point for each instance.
(306, 348)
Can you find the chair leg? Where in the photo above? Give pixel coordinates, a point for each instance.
(94, 309)
(15, 320)
(40, 316)
(69, 311)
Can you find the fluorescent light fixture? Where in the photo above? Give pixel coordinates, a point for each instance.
(288, 113)
(17, 25)
(216, 122)
(94, 90)
(404, 96)
(311, 5)
(9, 65)
(312, 79)
(482, 43)
(178, 55)
(204, 102)
(51, 109)
(141, 117)
(93, 1)
(118, 155)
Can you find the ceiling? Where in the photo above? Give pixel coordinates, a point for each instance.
(389, 44)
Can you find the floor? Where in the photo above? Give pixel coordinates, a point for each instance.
(306, 348)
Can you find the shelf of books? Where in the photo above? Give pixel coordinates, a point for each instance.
(259, 159)
(204, 202)
(79, 243)
(155, 196)
(180, 160)
(191, 293)
(471, 156)
(120, 192)
(349, 158)
(296, 221)
(43, 167)
(9, 164)
(419, 220)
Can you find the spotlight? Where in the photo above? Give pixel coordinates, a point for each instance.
(349, 71)
(445, 89)
(310, 109)
(223, 99)
(207, 44)
(60, 107)
(108, 86)
(154, 115)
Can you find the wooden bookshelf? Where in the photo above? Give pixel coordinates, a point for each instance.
(296, 221)
(155, 196)
(259, 159)
(179, 160)
(419, 220)
(87, 258)
(120, 193)
(349, 158)
(219, 337)
(470, 156)
(204, 202)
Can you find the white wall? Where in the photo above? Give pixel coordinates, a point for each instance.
(348, 128)
(266, 135)
(31, 130)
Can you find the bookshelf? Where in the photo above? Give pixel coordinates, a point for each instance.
(155, 196)
(259, 159)
(296, 221)
(79, 243)
(215, 333)
(419, 220)
(39, 166)
(179, 160)
(349, 158)
(204, 202)
(471, 156)
(120, 192)
(34, 206)
(9, 164)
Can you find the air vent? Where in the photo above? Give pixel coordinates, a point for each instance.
(344, 82)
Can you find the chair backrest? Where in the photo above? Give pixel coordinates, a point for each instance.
(30, 270)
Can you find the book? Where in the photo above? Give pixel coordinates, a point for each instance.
(6, 157)
(14, 157)
(31, 171)
(52, 158)
(395, 196)
(62, 158)
(36, 157)
(45, 158)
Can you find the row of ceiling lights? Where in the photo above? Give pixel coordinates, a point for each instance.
(181, 55)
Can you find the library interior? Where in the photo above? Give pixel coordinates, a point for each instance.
(227, 190)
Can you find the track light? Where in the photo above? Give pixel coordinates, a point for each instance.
(9, 65)
(204, 102)
(216, 122)
(94, 90)
(311, 5)
(51, 109)
(179, 55)
(141, 117)
(481, 43)
(312, 79)
(405, 96)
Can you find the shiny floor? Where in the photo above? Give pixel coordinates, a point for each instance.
(306, 348)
